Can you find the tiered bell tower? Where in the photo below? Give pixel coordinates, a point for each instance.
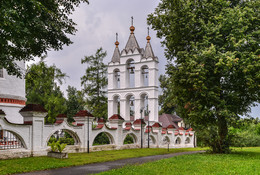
(133, 81)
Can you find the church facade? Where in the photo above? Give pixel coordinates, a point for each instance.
(132, 111)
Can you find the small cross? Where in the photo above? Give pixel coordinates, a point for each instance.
(148, 30)
(116, 36)
(132, 20)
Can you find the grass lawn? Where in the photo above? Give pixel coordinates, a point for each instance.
(244, 161)
(41, 163)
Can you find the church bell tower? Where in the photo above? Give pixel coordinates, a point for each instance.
(133, 81)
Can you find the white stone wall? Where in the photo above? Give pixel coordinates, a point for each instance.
(35, 136)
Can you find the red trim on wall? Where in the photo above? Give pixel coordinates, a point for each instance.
(12, 101)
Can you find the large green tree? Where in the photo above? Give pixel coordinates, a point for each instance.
(75, 102)
(94, 83)
(214, 69)
(30, 28)
(42, 88)
(165, 99)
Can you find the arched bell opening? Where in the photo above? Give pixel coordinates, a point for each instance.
(144, 105)
(116, 79)
(144, 76)
(130, 78)
(130, 107)
(116, 105)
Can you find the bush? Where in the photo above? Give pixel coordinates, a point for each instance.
(128, 139)
(101, 139)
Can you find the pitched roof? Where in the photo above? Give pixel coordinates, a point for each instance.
(148, 53)
(139, 121)
(116, 55)
(131, 43)
(115, 116)
(33, 107)
(169, 119)
(157, 125)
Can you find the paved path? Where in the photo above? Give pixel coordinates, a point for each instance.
(105, 166)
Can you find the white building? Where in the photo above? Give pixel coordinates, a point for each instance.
(12, 94)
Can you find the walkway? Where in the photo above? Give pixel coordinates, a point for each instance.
(105, 166)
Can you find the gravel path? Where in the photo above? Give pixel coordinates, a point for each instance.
(105, 166)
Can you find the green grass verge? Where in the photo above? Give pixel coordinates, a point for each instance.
(42, 163)
(244, 161)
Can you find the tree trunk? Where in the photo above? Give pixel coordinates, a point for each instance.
(223, 141)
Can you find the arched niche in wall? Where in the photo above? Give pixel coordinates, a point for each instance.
(103, 138)
(64, 136)
(178, 141)
(130, 73)
(130, 139)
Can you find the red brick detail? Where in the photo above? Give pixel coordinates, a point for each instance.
(128, 128)
(27, 122)
(12, 101)
(116, 116)
(181, 128)
(170, 127)
(156, 125)
(101, 120)
(190, 129)
(128, 124)
(99, 126)
(139, 121)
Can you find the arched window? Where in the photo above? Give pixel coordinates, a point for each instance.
(144, 76)
(1, 73)
(130, 73)
(116, 78)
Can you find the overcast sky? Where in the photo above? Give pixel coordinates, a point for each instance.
(97, 24)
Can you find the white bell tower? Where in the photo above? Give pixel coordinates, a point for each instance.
(133, 81)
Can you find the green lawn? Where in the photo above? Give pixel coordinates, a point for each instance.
(41, 163)
(244, 161)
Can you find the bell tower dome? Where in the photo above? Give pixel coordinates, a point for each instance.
(12, 94)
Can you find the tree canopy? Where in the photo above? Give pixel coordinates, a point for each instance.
(94, 83)
(30, 28)
(214, 63)
(75, 102)
(42, 88)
